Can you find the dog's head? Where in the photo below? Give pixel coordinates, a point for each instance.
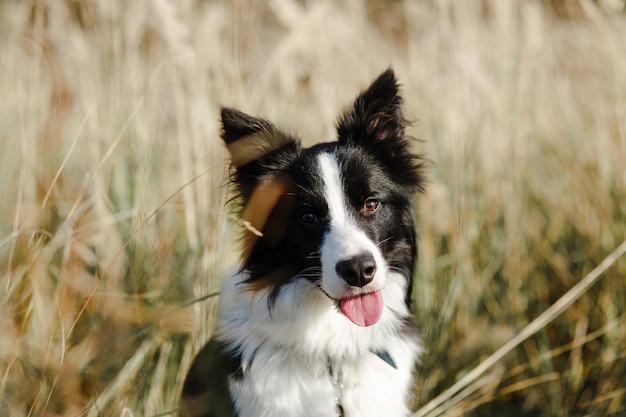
(338, 214)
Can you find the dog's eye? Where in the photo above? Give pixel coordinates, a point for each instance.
(307, 216)
(370, 206)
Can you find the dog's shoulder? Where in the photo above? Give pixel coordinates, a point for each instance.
(206, 389)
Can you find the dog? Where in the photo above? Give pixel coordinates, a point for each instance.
(316, 321)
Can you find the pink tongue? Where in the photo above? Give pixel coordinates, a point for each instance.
(363, 310)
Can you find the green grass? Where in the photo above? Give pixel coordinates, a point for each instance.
(112, 218)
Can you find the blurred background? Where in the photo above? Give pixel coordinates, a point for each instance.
(113, 231)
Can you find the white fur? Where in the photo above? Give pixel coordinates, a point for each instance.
(288, 350)
(344, 240)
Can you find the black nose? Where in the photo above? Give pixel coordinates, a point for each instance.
(357, 271)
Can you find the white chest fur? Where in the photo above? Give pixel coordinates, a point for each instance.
(303, 358)
(280, 383)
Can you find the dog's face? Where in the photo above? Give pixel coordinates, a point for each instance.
(338, 214)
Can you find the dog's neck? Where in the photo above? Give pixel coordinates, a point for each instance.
(336, 376)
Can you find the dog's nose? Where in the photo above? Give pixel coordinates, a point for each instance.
(357, 271)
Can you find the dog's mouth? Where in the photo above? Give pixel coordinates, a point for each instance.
(363, 309)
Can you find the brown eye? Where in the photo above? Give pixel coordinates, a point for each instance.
(370, 206)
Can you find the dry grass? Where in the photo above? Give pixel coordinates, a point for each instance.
(113, 235)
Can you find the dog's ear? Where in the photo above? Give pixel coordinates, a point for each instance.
(258, 149)
(376, 115)
(375, 123)
(260, 154)
(250, 139)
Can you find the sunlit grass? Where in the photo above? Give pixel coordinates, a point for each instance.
(113, 231)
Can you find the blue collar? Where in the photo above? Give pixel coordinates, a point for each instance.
(386, 356)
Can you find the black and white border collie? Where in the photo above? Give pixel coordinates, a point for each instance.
(316, 322)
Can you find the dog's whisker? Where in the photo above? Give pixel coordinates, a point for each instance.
(310, 275)
(302, 188)
(310, 272)
(399, 270)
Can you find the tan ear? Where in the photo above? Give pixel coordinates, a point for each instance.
(249, 138)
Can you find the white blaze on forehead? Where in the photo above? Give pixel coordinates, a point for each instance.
(333, 189)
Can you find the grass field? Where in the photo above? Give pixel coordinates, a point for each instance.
(114, 236)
